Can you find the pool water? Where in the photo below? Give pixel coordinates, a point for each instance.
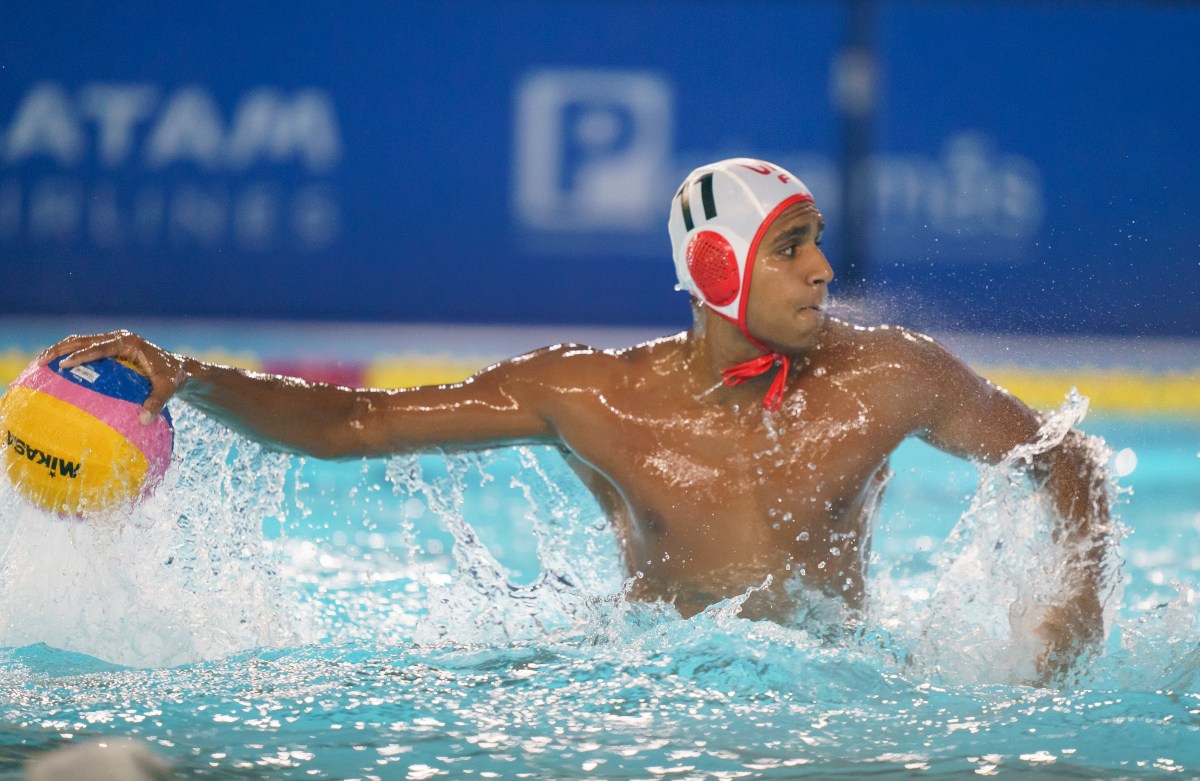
(460, 616)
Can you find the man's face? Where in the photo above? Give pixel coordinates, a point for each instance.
(789, 286)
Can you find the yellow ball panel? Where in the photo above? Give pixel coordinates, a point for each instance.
(63, 459)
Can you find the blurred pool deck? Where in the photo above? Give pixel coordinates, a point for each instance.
(1141, 375)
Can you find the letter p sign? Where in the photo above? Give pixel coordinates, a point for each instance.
(592, 148)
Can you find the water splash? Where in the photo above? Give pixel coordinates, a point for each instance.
(546, 671)
(185, 575)
(970, 619)
(191, 574)
(478, 602)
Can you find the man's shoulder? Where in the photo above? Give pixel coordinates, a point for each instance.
(896, 351)
(881, 339)
(585, 362)
(902, 371)
(556, 358)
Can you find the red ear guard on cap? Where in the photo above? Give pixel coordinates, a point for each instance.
(714, 268)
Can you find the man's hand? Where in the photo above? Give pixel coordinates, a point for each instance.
(1064, 633)
(166, 371)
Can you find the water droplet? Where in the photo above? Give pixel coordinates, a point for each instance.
(1125, 462)
(802, 536)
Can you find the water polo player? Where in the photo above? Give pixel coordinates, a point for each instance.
(754, 444)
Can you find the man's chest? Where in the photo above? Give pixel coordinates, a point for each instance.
(815, 453)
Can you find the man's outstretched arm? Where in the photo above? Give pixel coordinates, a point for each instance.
(500, 404)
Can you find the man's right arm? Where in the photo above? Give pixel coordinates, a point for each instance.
(505, 403)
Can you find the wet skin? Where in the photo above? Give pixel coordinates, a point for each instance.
(709, 493)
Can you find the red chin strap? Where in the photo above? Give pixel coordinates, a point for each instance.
(756, 367)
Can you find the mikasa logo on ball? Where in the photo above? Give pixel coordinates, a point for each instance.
(54, 465)
(85, 373)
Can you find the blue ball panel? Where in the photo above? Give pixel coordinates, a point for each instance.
(109, 377)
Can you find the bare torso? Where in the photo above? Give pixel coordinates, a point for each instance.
(710, 494)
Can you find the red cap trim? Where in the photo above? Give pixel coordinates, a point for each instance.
(752, 253)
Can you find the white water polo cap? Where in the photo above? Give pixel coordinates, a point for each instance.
(718, 218)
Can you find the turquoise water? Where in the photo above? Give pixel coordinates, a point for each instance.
(460, 617)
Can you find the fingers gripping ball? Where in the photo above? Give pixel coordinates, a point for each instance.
(71, 441)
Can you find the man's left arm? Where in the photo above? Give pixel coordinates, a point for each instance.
(966, 415)
(1076, 483)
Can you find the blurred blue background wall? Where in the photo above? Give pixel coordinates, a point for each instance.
(985, 166)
